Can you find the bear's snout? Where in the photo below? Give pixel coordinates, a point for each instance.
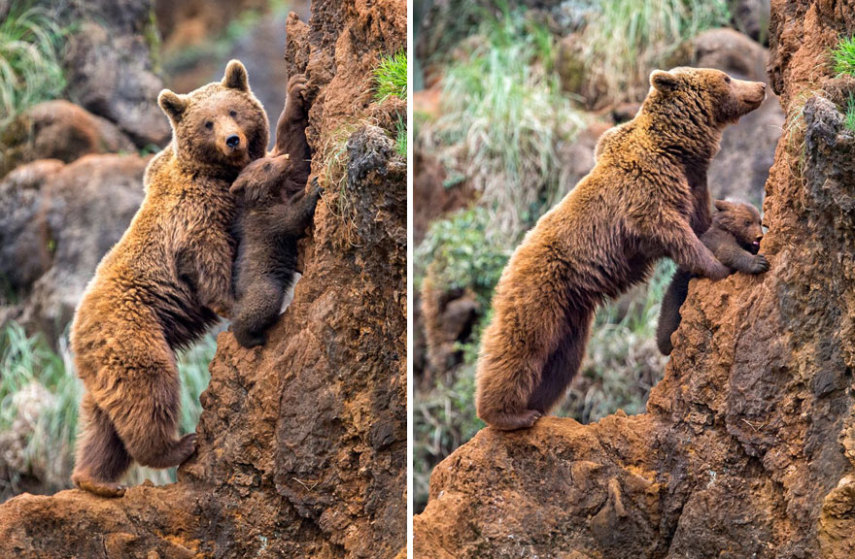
(233, 141)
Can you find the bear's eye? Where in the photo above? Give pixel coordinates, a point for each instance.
(209, 125)
(747, 223)
(727, 79)
(232, 114)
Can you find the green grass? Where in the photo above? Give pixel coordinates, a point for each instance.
(30, 67)
(40, 395)
(401, 137)
(843, 57)
(503, 116)
(624, 41)
(849, 115)
(391, 77)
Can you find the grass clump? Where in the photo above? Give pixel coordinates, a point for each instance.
(624, 41)
(849, 115)
(30, 66)
(503, 118)
(391, 77)
(401, 137)
(843, 57)
(40, 395)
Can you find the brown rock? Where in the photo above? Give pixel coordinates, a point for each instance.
(58, 130)
(746, 449)
(302, 443)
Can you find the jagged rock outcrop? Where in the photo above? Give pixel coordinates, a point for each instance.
(747, 448)
(302, 443)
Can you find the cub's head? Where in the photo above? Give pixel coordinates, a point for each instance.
(714, 97)
(261, 181)
(742, 221)
(219, 125)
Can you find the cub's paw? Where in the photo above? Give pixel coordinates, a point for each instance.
(759, 264)
(297, 88)
(186, 447)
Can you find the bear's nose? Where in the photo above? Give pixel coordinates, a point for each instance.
(233, 141)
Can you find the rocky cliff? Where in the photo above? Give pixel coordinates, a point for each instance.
(747, 448)
(302, 443)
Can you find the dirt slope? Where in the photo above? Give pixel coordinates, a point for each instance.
(748, 446)
(302, 444)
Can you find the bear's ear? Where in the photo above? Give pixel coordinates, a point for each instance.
(663, 81)
(236, 77)
(723, 205)
(172, 104)
(238, 186)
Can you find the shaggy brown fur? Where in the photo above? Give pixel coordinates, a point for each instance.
(644, 200)
(163, 284)
(274, 213)
(734, 238)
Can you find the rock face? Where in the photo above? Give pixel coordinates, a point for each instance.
(302, 443)
(747, 448)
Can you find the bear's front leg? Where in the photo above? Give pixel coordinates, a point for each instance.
(296, 215)
(673, 234)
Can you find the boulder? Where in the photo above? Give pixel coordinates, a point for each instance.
(58, 130)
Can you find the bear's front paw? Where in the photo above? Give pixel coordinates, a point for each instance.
(297, 88)
(759, 264)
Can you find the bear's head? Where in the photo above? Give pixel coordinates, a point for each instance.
(260, 183)
(710, 95)
(742, 221)
(220, 126)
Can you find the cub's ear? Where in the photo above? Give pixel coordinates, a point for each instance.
(663, 81)
(236, 77)
(172, 104)
(723, 205)
(238, 186)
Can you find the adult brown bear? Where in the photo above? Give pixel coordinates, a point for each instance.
(646, 198)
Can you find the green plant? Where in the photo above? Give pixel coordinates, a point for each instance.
(391, 77)
(624, 41)
(503, 117)
(849, 115)
(462, 254)
(30, 67)
(40, 395)
(843, 56)
(401, 137)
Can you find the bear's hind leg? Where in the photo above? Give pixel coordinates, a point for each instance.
(561, 366)
(257, 310)
(101, 458)
(141, 397)
(669, 313)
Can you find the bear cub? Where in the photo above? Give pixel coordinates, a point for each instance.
(734, 238)
(274, 212)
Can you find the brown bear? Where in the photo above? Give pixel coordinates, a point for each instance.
(163, 284)
(734, 238)
(274, 212)
(645, 199)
